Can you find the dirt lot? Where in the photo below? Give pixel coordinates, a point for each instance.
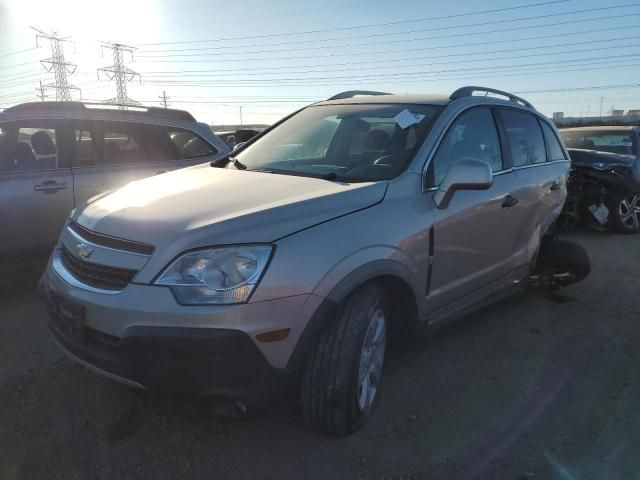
(534, 387)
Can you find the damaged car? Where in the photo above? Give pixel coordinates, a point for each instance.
(291, 263)
(604, 183)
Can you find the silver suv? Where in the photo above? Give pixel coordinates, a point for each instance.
(56, 155)
(293, 261)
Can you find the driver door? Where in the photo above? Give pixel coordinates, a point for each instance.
(474, 236)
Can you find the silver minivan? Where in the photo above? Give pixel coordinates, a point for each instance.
(56, 155)
(292, 261)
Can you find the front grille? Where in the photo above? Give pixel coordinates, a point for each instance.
(98, 276)
(111, 242)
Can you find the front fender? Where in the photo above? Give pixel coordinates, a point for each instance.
(363, 265)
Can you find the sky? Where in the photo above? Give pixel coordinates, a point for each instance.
(223, 60)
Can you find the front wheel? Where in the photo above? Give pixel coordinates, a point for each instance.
(625, 213)
(341, 381)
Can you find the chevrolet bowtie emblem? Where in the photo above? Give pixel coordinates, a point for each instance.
(84, 250)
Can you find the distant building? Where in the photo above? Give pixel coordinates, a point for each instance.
(632, 113)
(617, 113)
(558, 115)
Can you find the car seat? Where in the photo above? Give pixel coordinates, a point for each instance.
(45, 149)
(24, 159)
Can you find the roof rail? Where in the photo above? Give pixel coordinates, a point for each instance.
(353, 93)
(468, 91)
(52, 107)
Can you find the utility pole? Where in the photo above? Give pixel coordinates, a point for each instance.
(120, 73)
(601, 100)
(588, 107)
(163, 99)
(241, 115)
(40, 91)
(57, 63)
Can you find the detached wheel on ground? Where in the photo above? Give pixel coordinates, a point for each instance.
(624, 213)
(561, 263)
(341, 381)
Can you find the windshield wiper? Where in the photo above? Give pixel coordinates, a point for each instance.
(238, 164)
(226, 160)
(331, 176)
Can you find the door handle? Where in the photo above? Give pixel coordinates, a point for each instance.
(509, 201)
(50, 186)
(555, 186)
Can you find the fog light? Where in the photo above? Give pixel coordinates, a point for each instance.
(274, 336)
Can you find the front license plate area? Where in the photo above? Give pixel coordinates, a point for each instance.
(69, 316)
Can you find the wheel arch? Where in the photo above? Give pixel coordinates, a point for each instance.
(394, 277)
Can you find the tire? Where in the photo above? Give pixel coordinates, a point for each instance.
(557, 257)
(624, 213)
(333, 396)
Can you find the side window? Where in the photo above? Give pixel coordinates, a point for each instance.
(86, 152)
(123, 143)
(555, 149)
(30, 147)
(189, 145)
(473, 135)
(525, 138)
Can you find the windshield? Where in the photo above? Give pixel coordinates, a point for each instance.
(613, 141)
(343, 142)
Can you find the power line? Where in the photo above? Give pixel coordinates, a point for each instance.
(354, 27)
(120, 72)
(429, 72)
(244, 60)
(413, 65)
(316, 47)
(61, 67)
(392, 60)
(419, 39)
(17, 52)
(425, 78)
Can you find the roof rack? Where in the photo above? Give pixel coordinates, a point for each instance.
(469, 91)
(353, 93)
(52, 107)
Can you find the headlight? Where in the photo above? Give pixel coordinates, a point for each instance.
(216, 276)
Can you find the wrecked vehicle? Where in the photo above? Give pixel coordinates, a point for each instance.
(604, 182)
(292, 262)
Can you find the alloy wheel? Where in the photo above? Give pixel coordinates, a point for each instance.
(371, 360)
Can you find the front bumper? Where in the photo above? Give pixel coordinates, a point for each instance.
(142, 337)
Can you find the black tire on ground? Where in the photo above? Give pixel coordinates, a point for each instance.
(618, 222)
(560, 256)
(330, 381)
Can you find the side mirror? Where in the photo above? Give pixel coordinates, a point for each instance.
(465, 174)
(238, 145)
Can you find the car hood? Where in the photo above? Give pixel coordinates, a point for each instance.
(589, 158)
(201, 206)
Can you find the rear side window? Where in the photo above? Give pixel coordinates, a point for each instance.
(188, 144)
(28, 147)
(555, 149)
(524, 137)
(113, 143)
(472, 135)
(86, 152)
(124, 144)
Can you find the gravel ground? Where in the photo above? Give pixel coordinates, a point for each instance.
(534, 387)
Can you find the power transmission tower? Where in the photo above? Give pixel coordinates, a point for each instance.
(40, 92)
(163, 99)
(61, 67)
(120, 73)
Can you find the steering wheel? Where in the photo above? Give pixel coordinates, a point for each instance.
(382, 159)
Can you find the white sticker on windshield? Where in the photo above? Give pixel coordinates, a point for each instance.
(405, 119)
